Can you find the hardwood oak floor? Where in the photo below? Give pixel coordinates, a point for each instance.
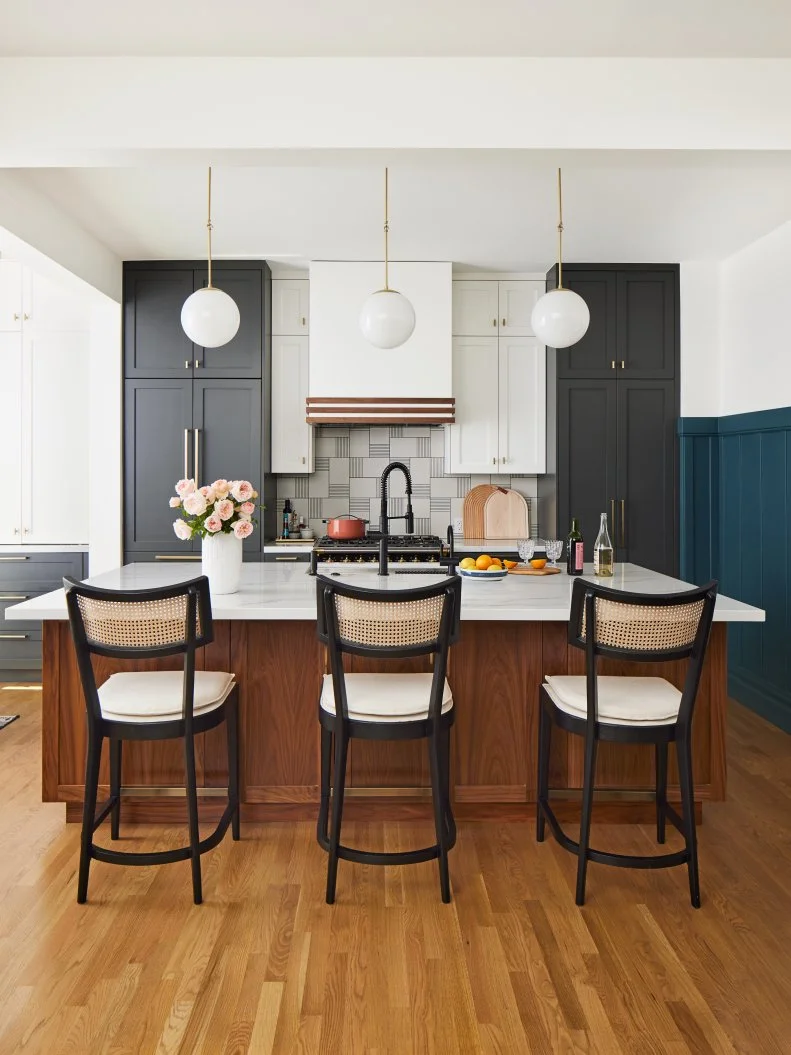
(511, 966)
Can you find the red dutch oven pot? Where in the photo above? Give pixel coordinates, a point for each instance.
(346, 527)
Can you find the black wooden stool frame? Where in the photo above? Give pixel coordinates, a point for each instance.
(186, 727)
(583, 601)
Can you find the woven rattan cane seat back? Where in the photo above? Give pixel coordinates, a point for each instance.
(139, 624)
(644, 627)
(385, 624)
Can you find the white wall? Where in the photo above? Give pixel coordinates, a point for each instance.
(755, 326)
(700, 338)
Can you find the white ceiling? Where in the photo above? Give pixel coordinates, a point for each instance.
(663, 28)
(481, 210)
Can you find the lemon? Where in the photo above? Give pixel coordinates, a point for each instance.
(468, 563)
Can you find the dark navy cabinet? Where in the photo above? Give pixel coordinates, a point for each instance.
(191, 411)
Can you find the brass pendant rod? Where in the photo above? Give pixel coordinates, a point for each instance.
(208, 229)
(387, 232)
(560, 232)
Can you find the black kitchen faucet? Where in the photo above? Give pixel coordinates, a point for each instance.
(384, 519)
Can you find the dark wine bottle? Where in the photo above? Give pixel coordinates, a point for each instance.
(574, 564)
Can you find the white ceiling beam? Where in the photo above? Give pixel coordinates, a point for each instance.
(62, 111)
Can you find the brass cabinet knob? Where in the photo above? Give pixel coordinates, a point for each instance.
(494, 322)
(504, 322)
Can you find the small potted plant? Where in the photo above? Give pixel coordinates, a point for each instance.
(221, 515)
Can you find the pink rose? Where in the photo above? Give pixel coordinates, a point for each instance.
(248, 508)
(242, 490)
(213, 523)
(185, 487)
(242, 528)
(221, 488)
(175, 502)
(224, 509)
(209, 494)
(195, 504)
(182, 529)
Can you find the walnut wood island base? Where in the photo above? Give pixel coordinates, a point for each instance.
(513, 633)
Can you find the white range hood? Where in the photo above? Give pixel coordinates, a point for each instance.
(353, 383)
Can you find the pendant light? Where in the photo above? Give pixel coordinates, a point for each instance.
(209, 317)
(387, 318)
(561, 317)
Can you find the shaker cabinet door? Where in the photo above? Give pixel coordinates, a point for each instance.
(475, 309)
(241, 356)
(226, 418)
(290, 307)
(472, 444)
(586, 469)
(516, 302)
(155, 345)
(523, 406)
(11, 309)
(11, 438)
(646, 333)
(292, 437)
(645, 529)
(595, 355)
(157, 453)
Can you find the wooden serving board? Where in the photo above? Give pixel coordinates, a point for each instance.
(472, 513)
(506, 515)
(523, 569)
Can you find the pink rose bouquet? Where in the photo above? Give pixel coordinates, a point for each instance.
(225, 506)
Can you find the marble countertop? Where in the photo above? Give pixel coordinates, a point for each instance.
(286, 591)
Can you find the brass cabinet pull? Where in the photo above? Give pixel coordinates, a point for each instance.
(16, 316)
(176, 556)
(13, 558)
(613, 364)
(285, 558)
(503, 459)
(612, 516)
(25, 317)
(504, 323)
(304, 321)
(14, 596)
(186, 454)
(197, 364)
(303, 459)
(623, 364)
(186, 364)
(494, 461)
(196, 456)
(494, 322)
(13, 637)
(623, 522)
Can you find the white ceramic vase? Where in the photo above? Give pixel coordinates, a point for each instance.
(221, 562)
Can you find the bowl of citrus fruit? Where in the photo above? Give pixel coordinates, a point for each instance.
(490, 569)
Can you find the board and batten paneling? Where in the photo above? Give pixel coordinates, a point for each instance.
(735, 503)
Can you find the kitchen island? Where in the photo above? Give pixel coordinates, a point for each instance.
(513, 633)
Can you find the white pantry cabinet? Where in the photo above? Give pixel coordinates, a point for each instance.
(500, 389)
(499, 308)
(292, 437)
(290, 307)
(14, 296)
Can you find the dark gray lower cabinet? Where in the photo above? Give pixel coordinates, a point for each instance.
(22, 576)
(175, 429)
(617, 455)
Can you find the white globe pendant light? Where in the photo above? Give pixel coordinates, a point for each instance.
(209, 317)
(561, 317)
(387, 318)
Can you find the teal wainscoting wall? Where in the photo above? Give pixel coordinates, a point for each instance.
(735, 513)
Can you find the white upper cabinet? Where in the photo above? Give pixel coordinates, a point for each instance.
(290, 307)
(292, 437)
(522, 405)
(11, 296)
(11, 438)
(483, 308)
(472, 444)
(516, 303)
(475, 309)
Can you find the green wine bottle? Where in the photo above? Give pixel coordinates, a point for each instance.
(574, 560)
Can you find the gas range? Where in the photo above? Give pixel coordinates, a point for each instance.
(401, 549)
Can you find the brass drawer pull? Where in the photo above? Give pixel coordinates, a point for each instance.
(13, 558)
(13, 637)
(285, 558)
(167, 556)
(14, 596)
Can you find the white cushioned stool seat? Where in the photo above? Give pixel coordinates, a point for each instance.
(385, 697)
(157, 695)
(622, 701)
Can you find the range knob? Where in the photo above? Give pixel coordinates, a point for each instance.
(416, 560)
(347, 560)
(361, 560)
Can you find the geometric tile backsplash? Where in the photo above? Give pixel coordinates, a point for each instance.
(348, 466)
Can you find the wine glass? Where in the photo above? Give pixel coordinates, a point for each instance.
(526, 547)
(554, 548)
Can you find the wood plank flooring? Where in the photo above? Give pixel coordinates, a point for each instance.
(511, 966)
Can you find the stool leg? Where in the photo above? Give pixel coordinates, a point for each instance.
(450, 822)
(439, 818)
(192, 814)
(684, 754)
(544, 743)
(324, 805)
(661, 790)
(88, 812)
(585, 818)
(232, 733)
(116, 747)
(341, 745)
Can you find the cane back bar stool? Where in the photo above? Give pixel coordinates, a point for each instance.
(386, 624)
(150, 705)
(644, 710)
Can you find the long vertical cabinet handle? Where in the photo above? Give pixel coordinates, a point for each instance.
(612, 517)
(196, 456)
(186, 454)
(623, 522)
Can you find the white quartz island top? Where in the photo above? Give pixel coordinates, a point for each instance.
(287, 591)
